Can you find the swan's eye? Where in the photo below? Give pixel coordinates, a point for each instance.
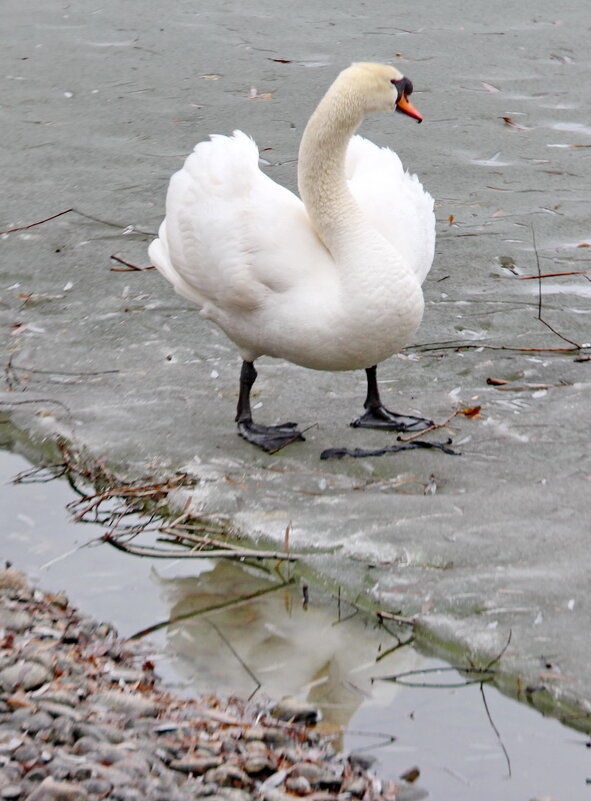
(403, 85)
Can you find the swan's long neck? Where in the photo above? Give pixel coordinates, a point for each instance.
(321, 167)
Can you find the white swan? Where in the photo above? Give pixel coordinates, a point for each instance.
(330, 283)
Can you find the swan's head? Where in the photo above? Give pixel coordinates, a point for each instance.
(379, 87)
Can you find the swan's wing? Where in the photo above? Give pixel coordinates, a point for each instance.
(394, 201)
(232, 236)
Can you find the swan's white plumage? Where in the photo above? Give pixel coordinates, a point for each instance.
(394, 201)
(244, 249)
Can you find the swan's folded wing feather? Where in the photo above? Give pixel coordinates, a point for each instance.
(394, 201)
(232, 235)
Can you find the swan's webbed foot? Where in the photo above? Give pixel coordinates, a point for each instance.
(380, 417)
(269, 438)
(377, 416)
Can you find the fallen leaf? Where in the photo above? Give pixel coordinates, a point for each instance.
(411, 775)
(512, 124)
(281, 60)
(584, 245)
(471, 411)
(496, 382)
(18, 699)
(450, 219)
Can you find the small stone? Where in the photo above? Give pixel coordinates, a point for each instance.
(37, 722)
(88, 731)
(257, 764)
(26, 753)
(10, 774)
(293, 709)
(298, 785)
(60, 697)
(14, 620)
(275, 736)
(59, 710)
(60, 732)
(81, 772)
(131, 703)
(11, 792)
(308, 769)
(126, 794)
(254, 733)
(85, 745)
(134, 766)
(97, 787)
(317, 775)
(37, 773)
(228, 776)
(272, 794)
(126, 675)
(356, 786)
(197, 764)
(234, 794)
(24, 674)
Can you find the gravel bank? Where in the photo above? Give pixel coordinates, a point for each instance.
(82, 717)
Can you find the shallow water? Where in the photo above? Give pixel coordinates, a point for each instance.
(325, 653)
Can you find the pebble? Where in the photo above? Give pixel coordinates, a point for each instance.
(80, 721)
(23, 674)
(298, 785)
(294, 709)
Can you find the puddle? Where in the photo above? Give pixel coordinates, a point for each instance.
(325, 650)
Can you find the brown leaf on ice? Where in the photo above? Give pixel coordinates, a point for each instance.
(411, 775)
(450, 219)
(470, 411)
(512, 124)
(281, 60)
(584, 245)
(496, 382)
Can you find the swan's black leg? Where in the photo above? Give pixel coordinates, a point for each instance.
(377, 416)
(269, 438)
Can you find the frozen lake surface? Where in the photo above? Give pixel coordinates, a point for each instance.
(101, 104)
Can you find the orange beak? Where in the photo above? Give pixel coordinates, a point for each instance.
(406, 107)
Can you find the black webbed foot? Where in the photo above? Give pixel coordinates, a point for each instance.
(380, 417)
(269, 438)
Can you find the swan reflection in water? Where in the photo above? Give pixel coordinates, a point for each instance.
(290, 649)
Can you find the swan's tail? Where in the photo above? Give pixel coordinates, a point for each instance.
(201, 198)
(160, 258)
